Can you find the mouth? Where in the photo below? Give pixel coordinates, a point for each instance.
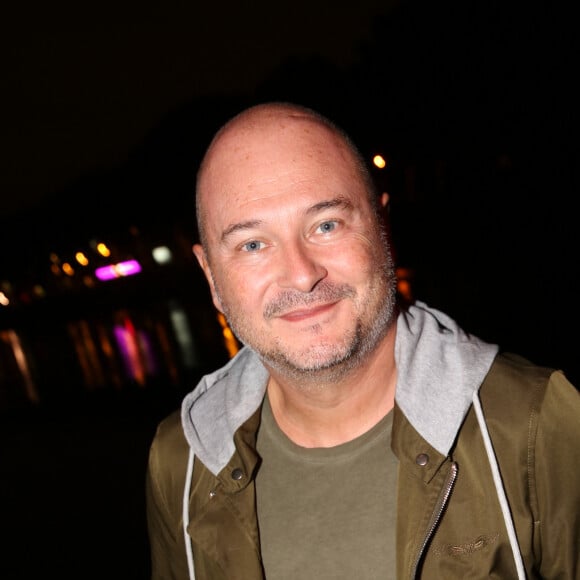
(300, 314)
(294, 306)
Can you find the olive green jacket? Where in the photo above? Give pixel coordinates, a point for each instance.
(449, 518)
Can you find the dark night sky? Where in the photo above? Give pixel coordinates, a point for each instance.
(86, 83)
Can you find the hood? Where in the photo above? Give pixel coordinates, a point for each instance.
(439, 367)
(219, 404)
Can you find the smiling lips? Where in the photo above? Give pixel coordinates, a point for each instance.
(305, 313)
(293, 305)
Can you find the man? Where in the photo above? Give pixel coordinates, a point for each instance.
(352, 436)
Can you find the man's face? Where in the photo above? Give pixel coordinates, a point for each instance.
(296, 260)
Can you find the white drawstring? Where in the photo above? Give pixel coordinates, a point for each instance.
(499, 488)
(186, 492)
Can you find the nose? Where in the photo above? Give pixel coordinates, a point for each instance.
(300, 267)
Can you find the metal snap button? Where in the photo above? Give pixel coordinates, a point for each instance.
(237, 474)
(422, 459)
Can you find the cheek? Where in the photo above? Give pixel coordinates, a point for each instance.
(240, 288)
(356, 261)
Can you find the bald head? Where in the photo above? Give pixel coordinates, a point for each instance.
(279, 132)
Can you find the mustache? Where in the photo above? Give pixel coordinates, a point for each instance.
(292, 299)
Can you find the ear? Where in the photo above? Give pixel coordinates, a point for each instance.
(201, 256)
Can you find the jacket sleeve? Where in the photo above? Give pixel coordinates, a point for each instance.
(163, 492)
(557, 478)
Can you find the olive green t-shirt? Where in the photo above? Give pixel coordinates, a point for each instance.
(327, 513)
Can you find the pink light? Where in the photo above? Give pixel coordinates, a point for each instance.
(118, 270)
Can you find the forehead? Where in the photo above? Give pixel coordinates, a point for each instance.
(278, 158)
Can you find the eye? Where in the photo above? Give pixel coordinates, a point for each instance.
(252, 246)
(327, 227)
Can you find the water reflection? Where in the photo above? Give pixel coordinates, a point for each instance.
(163, 344)
(19, 371)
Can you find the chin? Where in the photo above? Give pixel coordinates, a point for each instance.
(318, 357)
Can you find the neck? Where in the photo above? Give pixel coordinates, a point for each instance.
(329, 414)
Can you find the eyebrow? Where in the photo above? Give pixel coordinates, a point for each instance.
(339, 201)
(240, 226)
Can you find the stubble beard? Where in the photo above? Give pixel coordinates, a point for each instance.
(324, 363)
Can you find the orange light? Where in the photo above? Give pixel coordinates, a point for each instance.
(103, 250)
(68, 269)
(379, 161)
(81, 259)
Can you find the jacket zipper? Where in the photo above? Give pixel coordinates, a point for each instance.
(436, 515)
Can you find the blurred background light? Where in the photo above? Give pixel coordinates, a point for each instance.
(103, 250)
(119, 270)
(81, 259)
(68, 269)
(162, 255)
(379, 161)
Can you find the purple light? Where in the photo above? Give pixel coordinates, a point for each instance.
(119, 270)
